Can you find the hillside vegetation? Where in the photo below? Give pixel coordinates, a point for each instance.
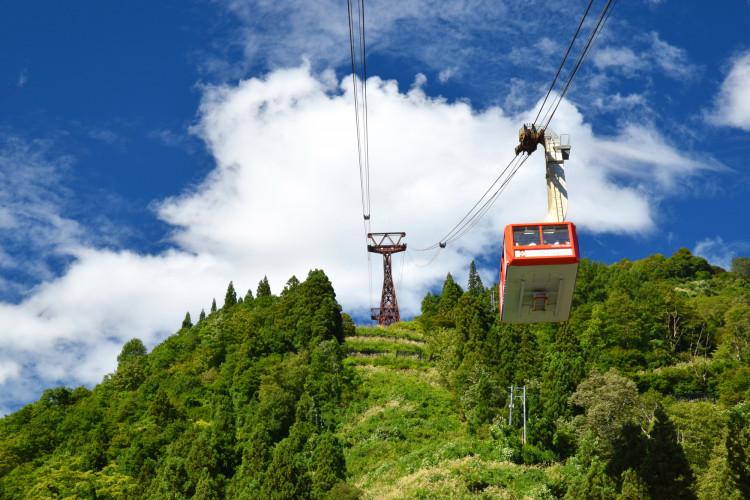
(643, 393)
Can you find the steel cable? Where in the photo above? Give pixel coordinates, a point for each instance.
(565, 58)
(472, 217)
(594, 34)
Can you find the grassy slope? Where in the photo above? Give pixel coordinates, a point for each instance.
(404, 435)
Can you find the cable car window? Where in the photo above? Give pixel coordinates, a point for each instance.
(556, 235)
(526, 236)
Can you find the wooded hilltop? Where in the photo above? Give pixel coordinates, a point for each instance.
(643, 393)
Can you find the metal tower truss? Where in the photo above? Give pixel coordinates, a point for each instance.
(386, 244)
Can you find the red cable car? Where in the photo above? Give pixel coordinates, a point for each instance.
(538, 272)
(540, 259)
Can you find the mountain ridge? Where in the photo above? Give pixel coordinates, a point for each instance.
(643, 393)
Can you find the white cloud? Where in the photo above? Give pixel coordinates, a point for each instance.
(284, 198)
(672, 60)
(447, 73)
(104, 135)
(282, 33)
(732, 106)
(622, 58)
(619, 102)
(719, 252)
(32, 198)
(648, 54)
(167, 137)
(520, 95)
(23, 78)
(8, 369)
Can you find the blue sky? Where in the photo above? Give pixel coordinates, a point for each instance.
(151, 151)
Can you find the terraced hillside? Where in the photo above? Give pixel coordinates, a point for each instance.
(404, 436)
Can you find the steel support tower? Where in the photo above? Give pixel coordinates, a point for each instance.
(386, 244)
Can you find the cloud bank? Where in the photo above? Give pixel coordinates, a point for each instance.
(284, 198)
(732, 106)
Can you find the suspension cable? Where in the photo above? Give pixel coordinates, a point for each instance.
(359, 86)
(471, 213)
(594, 34)
(487, 204)
(565, 58)
(363, 49)
(472, 217)
(356, 111)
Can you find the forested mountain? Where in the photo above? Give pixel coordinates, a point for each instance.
(643, 393)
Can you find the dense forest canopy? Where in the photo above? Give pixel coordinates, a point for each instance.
(643, 393)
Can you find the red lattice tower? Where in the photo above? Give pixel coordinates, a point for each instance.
(386, 244)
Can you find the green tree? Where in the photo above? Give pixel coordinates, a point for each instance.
(609, 401)
(562, 372)
(449, 298)
(132, 349)
(213, 306)
(162, 409)
(633, 487)
(310, 313)
(264, 289)
(287, 475)
(187, 322)
(665, 469)
(347, 324)
(207, 487)
(202, 316)
(291, 284)
(475, 285)
(741, 266)
(592, 484)
(171, 481)
(256, 455)
(430, 304)
(738, 447)
(131, 366)
(230, 299)
(735, 333)
(325, 381)
(327, 465)
(701, 425)
(473, 322)
(481, 396)
(506, 341)
(629, 450)
(450, 294)
(683, 264)
(716, 482)
(528, 360)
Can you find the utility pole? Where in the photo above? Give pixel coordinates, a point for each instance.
(511, 405)
(386, 244)
(524, 414)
